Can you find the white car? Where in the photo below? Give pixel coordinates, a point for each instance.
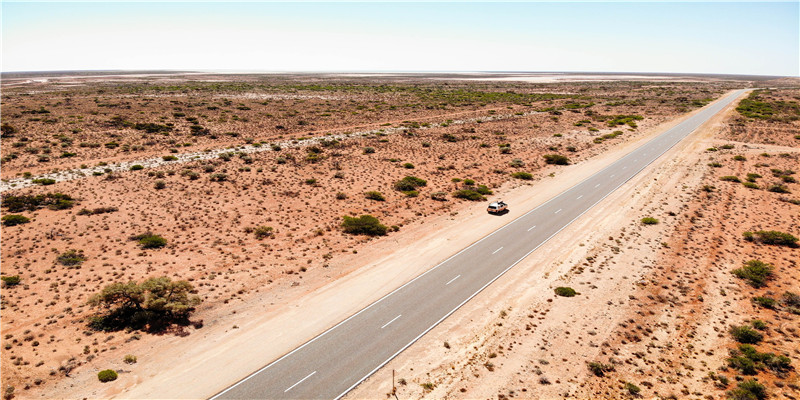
(497, 207)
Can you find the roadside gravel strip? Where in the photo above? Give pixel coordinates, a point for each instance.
(73, 174)
(331, 364)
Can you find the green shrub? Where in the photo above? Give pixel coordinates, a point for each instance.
(262, 232)
(748, 390)
(158, 185)
(129, 359)
(71, 258)
(525, 176)
(169, 158)
(791, 299)
(218, 177)
(743, 364)
(649, 221)
(751, 177)
(715, 165)
(150, 241)
(632, 389)
(739, 158)
(599, 369)
(556, 159)
(12, 280)
(54, 201)
(137, 167)
(765, 302)
(408, 165)
(468, 194)
(411, 193)
(43, 181)
(409, 183)
(730, 178)
(341, 196)
(745, 334)
(516, 163)
(107, 375)
(439, 196)
(755, 272)
(482, 189)
(778, 188)
(155, 304)
(369, 150)
(363, 225)
(564, 291)
(774, 238)
(14, 219)
(750, 185)
(374, 195)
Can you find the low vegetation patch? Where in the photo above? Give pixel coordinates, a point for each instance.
(649, 221)
(565, 291)
(262, 232)
(14, 219)
(525, 176)
(364, 225)
(53, 201)
(71, 258)
(150, 241)
(599, 369)
(730, 178)
(754, 106)
(774, 238)
(12, 280)
(755, 272)
(556, 159)
(154, 305)
(409, 183)
(375, 195)
(748, 390)
(107, 375)
(745, 334)
(748, 361)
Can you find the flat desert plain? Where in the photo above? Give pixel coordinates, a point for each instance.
(247, 178)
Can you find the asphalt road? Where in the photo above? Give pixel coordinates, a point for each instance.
(330, 365)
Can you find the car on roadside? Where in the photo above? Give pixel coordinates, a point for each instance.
(497, 207)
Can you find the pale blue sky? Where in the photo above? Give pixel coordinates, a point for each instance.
(718, 37)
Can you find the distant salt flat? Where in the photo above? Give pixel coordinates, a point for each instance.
(551, 78)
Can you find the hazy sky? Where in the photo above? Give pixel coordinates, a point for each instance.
(719, 37)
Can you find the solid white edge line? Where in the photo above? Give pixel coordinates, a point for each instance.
(393, 319)
(733, 95)
(523, 257)
(451, 280)
(299, 382)
(495, 252)
(531, 228)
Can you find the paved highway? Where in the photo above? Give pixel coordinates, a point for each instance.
(330, 365)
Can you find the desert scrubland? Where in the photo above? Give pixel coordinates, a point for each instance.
(267, 223)
(687, 285)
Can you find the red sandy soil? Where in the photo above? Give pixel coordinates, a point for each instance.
(206, 223)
